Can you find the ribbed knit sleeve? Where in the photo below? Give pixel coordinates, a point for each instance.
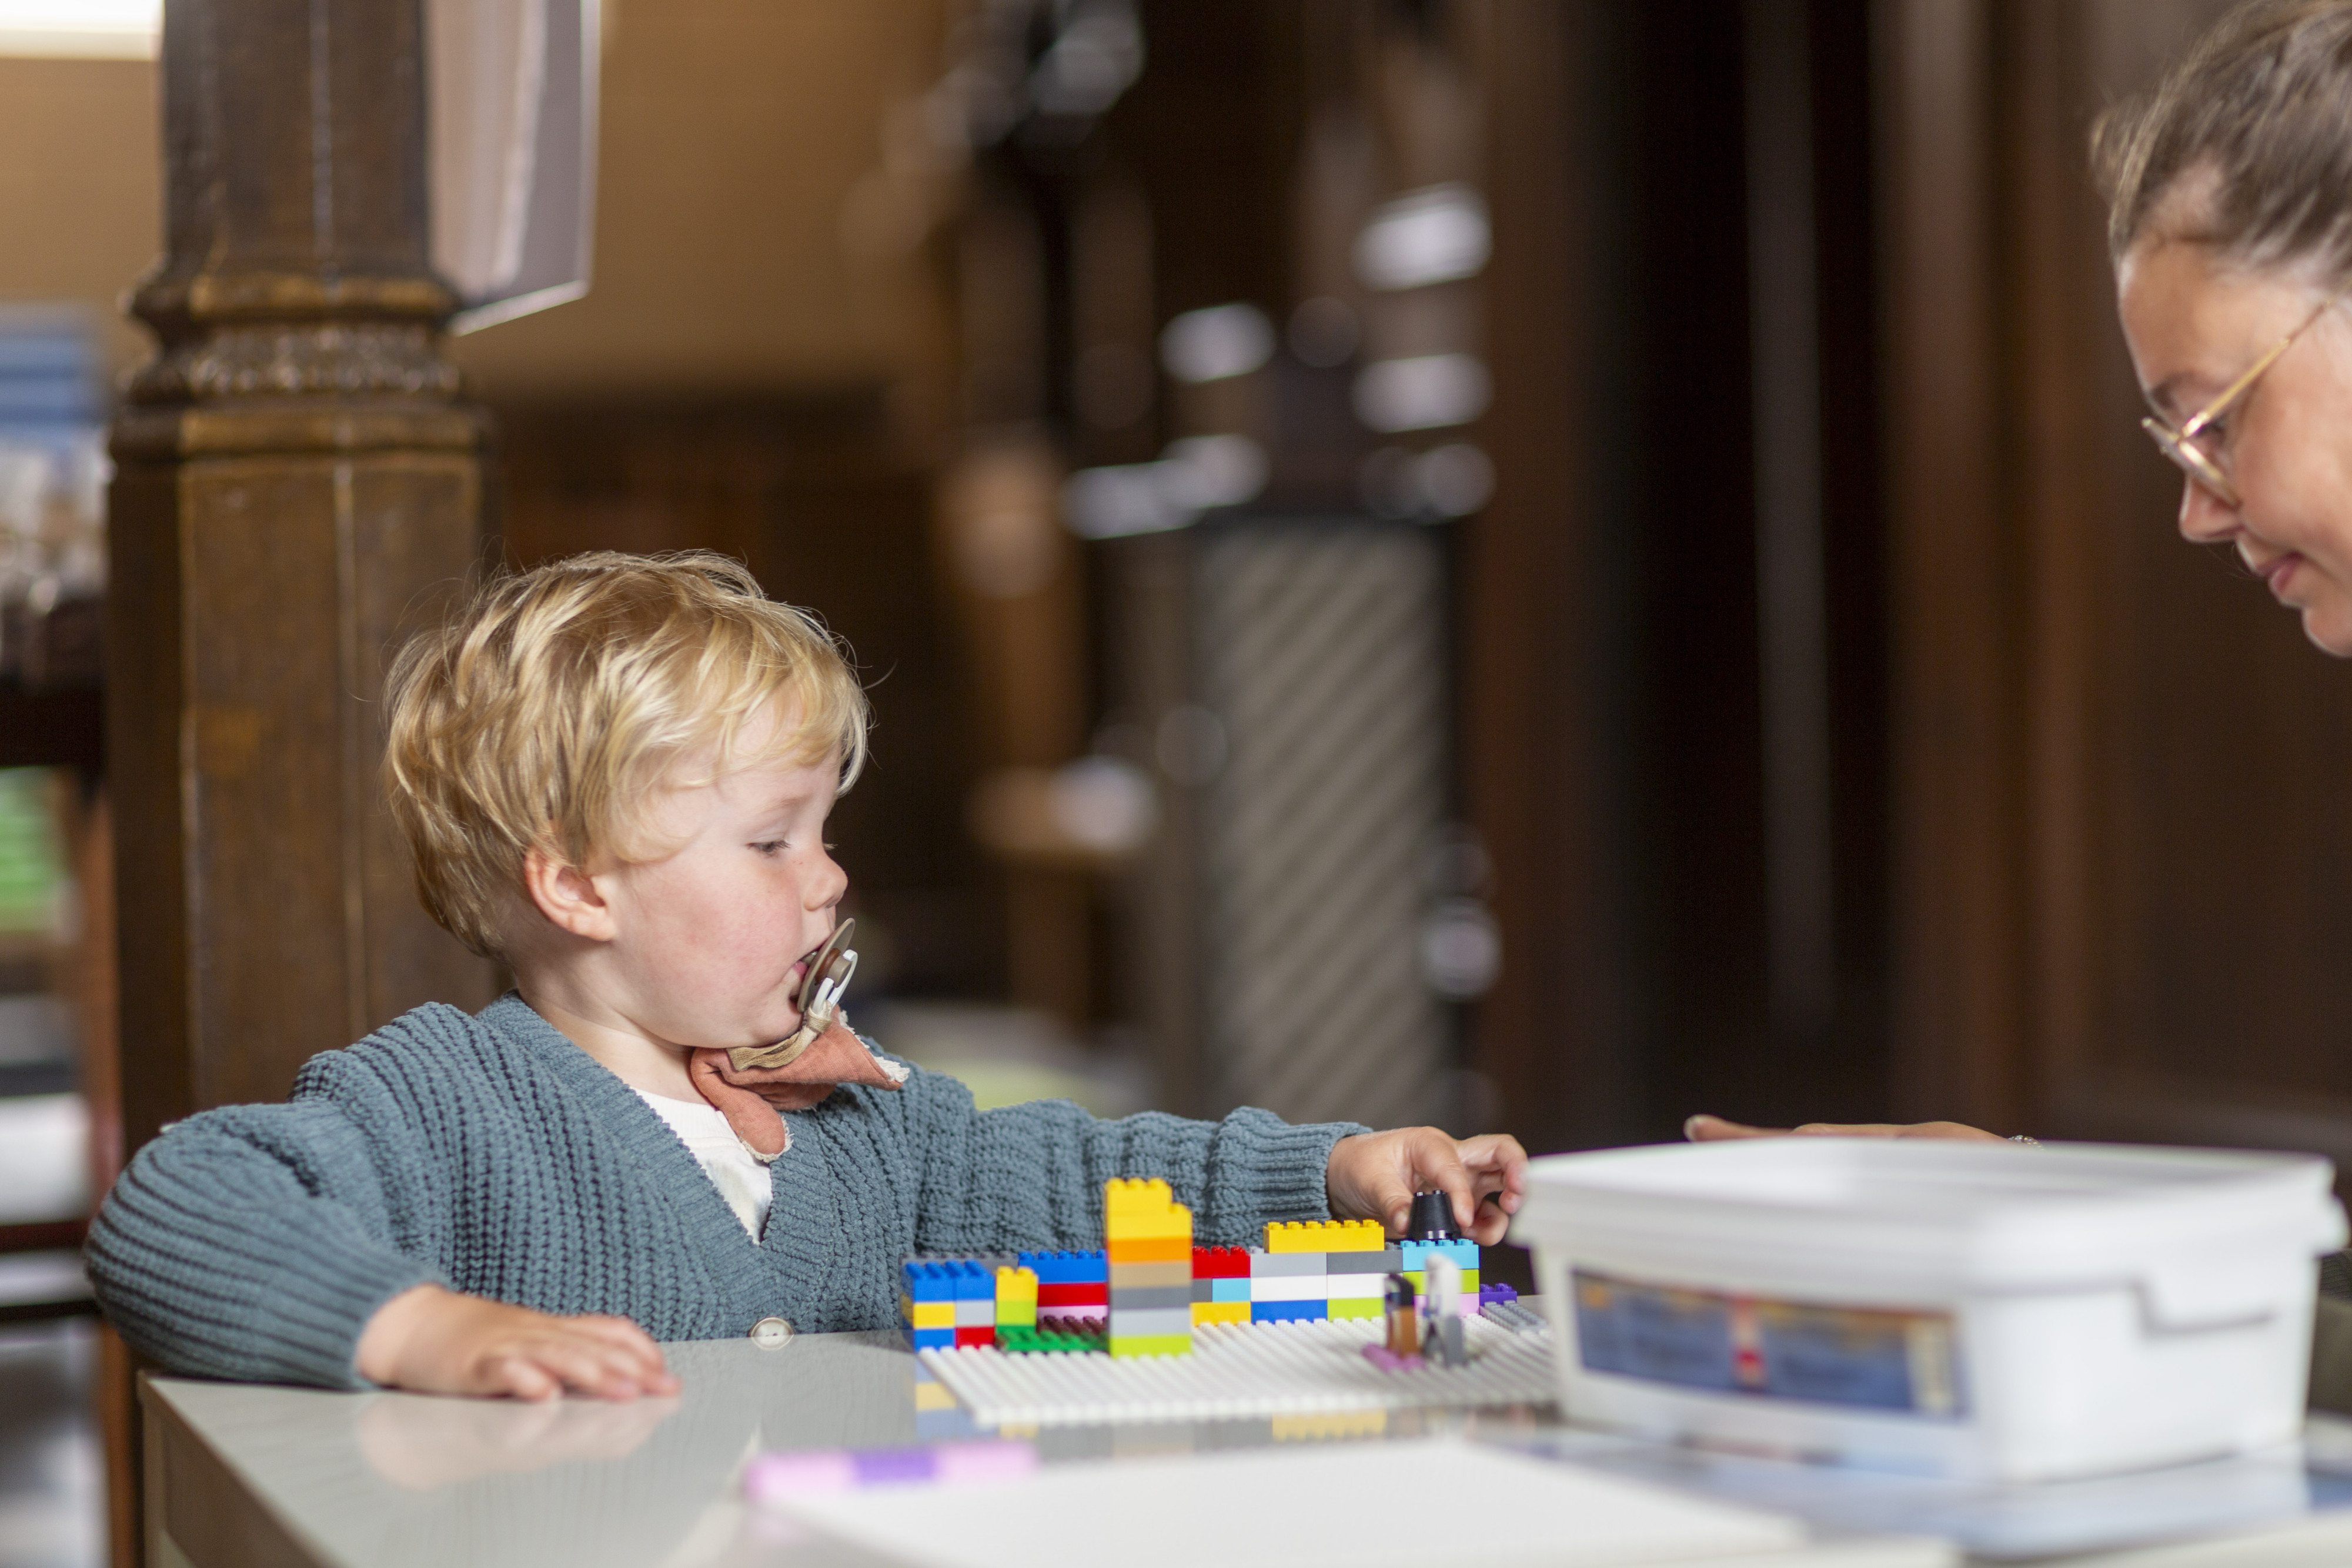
(251, 1243)
(1032, 1175)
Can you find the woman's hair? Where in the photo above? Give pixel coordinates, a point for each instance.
(551, 708)
(2259, 113)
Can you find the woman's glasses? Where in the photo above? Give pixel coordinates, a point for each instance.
(2202, 462)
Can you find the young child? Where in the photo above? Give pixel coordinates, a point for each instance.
(613, 774)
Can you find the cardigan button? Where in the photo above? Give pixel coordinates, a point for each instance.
(772, 1333)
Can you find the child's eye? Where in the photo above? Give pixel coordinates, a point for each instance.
(770, 846)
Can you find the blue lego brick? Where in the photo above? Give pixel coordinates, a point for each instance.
(932, 1339)
(1068, 1268)
(927, 1281)
(1289, 1311)
(973, 1282)
(1465, 1253)
(1228, 1290)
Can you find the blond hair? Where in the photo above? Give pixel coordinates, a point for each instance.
(549, 710)
(2259, 112)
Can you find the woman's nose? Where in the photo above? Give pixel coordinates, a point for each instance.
(2205, 517)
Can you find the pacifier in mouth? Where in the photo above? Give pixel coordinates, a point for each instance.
(826, 975)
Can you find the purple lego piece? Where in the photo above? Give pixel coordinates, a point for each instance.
(1489, 1294)
(887, 1467)
(1387, 1360)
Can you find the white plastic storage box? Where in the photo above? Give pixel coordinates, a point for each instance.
(1977, 1310)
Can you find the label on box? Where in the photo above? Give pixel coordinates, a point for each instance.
(1866, 1357)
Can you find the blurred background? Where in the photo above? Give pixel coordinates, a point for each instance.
(1539, 567)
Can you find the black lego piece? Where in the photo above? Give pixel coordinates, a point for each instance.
(1432, 1218)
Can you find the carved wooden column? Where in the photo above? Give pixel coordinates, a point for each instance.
(296, 477)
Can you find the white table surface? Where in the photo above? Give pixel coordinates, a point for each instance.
(255, 1475)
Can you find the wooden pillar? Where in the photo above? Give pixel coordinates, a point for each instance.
(296, 475)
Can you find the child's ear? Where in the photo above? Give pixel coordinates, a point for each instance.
(566, 895)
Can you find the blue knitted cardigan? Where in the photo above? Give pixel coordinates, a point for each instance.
(490, 1154)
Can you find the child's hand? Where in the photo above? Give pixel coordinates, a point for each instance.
(1373, 1175)
(437, 1342)
(1704, 1129)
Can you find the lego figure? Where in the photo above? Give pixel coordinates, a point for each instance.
(1404, 1318)
(1441, 1304)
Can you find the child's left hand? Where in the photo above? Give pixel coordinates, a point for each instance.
(1373, 1175)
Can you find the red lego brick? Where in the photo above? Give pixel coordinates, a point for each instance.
(1221, 1263)
(974, 1336)
(1091, 1293)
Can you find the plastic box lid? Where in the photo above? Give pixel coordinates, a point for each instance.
(2205, 1233)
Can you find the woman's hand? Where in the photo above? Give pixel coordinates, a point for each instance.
(1705, 1129)
(436, 1340)
(1373, 1175)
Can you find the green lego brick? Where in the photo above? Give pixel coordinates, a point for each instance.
(1152, 1344)
(1360, 1307)
(1022, 1341)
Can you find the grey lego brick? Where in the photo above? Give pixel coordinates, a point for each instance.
(1150, 1298)
(1204, 1290)
(1158, 1321)
(1388, 1262)
(1270, 1265)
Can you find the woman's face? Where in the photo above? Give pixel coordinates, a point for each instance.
(2196, 324)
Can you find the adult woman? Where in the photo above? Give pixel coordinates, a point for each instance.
(2230, 223)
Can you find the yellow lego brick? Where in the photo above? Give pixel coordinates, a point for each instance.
(1362, 1307)
(1017, 1298)
(1220, 1312)
(1152, 1344)
(928, 1314)
(933, 1396)
(1323, 1427)
(1143, 1210)
(1325, 1236)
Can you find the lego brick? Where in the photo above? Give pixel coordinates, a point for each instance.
(1151, 1249)
(1388, 1260)
(973, 1282)
(1130, 1276)
(1228, 1290)
(932, 1339)
(983, 1334)
(1465, 1253)
(1325, 1236)
(1088, 1293)
(1152, 1345)
(1139, 1210)
(923, 1279)
(1221, 1262)
(1203, 1290)
(1289, 1311)
(928, 1314)
(1290, 1288)
(1016, 1296)
(931, 1394)
(976, 1314)
(1034, 1341)
(1362, 1307)
(1067, 1267)
(1266, 1264)
(1355, 1287)
(1489, 1294)
(1470, 1286)
(1220, 1312)
(1177, 1319)
(1125, 1298)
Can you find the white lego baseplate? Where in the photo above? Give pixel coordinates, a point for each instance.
(1243, 1370)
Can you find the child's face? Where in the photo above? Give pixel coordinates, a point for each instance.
(706, 939)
